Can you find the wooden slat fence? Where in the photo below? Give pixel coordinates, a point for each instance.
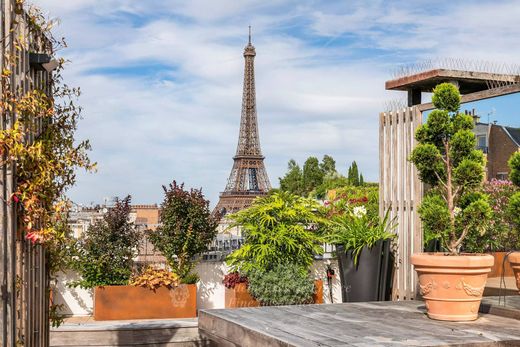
(24, 279)
(401, 192)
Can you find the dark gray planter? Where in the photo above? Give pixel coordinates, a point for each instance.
(371, 278)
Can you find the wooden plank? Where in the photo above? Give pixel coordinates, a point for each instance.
(418, 193)
(352, 324)
(381, 162)
(402, 191)
(504, 306)
(482, 95)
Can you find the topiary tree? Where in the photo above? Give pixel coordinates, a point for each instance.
(447, 160)
(186, 229)
(513, 209)
(105, 252)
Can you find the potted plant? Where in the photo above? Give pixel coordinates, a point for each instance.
(104, 254)
(186, 229)
(514, 212)
(363, 249)
(237, 293)
(280, 228)
(283, 284)
(451, 283)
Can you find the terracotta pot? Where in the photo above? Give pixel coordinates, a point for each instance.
(500, 268)
(452, 286)
(514, 260)
(240, 297)
(130, 302)
(318, 292)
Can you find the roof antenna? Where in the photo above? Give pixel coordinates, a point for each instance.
(250, 34)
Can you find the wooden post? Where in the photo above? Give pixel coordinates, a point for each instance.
(401, 191)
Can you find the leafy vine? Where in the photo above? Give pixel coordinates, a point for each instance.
(37, 144)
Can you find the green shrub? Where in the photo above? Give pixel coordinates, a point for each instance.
(278, 228)
(283, 284)
(513, 209)
(104, 253)
(367, 196)
(514, 165)
(447, 160)
(501, 234)
(351, 227)
(186, 230)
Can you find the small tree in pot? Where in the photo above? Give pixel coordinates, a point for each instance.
(186, 230)
(280, 233)
(447, 160)
(104, 253)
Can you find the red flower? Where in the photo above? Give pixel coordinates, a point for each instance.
(33, 236)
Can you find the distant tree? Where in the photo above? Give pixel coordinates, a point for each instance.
(361, 180)
(328, 165)
(292, 182)
(312, 174)
(353, 174)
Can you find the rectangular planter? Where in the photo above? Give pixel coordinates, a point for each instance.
(240, 297)
(318, 292)
(130, 302)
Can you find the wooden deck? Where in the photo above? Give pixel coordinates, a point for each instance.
(83, 332)
(357, 324)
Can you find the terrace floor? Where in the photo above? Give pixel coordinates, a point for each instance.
(360, 324)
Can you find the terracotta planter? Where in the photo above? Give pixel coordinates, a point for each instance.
(452, 286)
(514, 260)
(130, 302)
(500, 268)
(240, 297)
(318, 292)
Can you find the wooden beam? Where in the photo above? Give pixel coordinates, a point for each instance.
(485, 94)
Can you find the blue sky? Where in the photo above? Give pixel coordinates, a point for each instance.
(162, 80)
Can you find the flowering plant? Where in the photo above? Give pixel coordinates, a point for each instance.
(501, 234)
(354, 229)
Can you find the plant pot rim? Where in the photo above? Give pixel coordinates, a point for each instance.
(514, 257)
(440, 259)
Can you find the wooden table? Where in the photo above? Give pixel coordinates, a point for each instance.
(353, 324)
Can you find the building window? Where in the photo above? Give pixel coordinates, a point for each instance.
(482, 143)
(502, 176)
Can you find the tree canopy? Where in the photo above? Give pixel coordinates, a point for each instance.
(317, 177)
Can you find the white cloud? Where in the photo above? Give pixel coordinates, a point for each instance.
(162, 80)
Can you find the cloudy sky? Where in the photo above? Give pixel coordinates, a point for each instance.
(162, 79)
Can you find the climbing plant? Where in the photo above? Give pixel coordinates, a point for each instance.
(38, 141)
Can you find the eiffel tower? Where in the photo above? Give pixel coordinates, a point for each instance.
(248, 178)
